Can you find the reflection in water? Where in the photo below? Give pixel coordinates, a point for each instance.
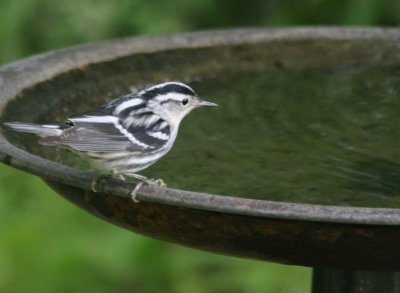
(371, 175)
(313, 135)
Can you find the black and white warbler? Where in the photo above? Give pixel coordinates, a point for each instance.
(127, 134)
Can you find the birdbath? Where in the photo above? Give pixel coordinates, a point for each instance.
(298, 165)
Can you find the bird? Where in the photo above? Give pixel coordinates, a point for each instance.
(125, 135)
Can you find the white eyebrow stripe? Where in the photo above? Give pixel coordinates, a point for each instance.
(127, 104)
(171, 96)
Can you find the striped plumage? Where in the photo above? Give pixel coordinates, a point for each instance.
(127, 134)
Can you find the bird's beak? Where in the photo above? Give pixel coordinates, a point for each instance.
(206, 103)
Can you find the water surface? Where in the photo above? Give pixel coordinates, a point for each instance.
(293, 124)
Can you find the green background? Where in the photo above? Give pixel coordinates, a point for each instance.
(49, 245)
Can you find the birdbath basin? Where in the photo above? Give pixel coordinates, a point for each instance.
(298, 165)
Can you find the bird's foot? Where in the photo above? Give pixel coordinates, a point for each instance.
(97, 180)
(133, 193)
(156, 182)
(144, 180)
(101, 177)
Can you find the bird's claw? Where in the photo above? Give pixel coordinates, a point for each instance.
(133, 193)
(150, 182)
(156, 182)
(96, 181)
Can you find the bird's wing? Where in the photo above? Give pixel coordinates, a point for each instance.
(107, 134)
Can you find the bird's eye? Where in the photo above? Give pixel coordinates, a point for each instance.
(185, 101)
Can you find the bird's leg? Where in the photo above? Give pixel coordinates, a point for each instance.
(133, 193)
(143, 179)
(137, 176)
(118, 175)
(151, 181)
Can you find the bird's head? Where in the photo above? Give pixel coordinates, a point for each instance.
(174, 98)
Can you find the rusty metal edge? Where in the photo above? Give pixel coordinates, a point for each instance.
(25, 73)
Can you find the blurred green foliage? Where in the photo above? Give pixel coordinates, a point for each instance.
(33, 26)
(49, 245)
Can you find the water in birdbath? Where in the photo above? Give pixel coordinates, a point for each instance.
(293, 124)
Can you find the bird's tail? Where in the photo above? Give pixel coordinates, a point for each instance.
(38, 129)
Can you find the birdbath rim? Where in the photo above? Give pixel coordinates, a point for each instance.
(19, 75)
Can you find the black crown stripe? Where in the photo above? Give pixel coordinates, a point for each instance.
(168, 88)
